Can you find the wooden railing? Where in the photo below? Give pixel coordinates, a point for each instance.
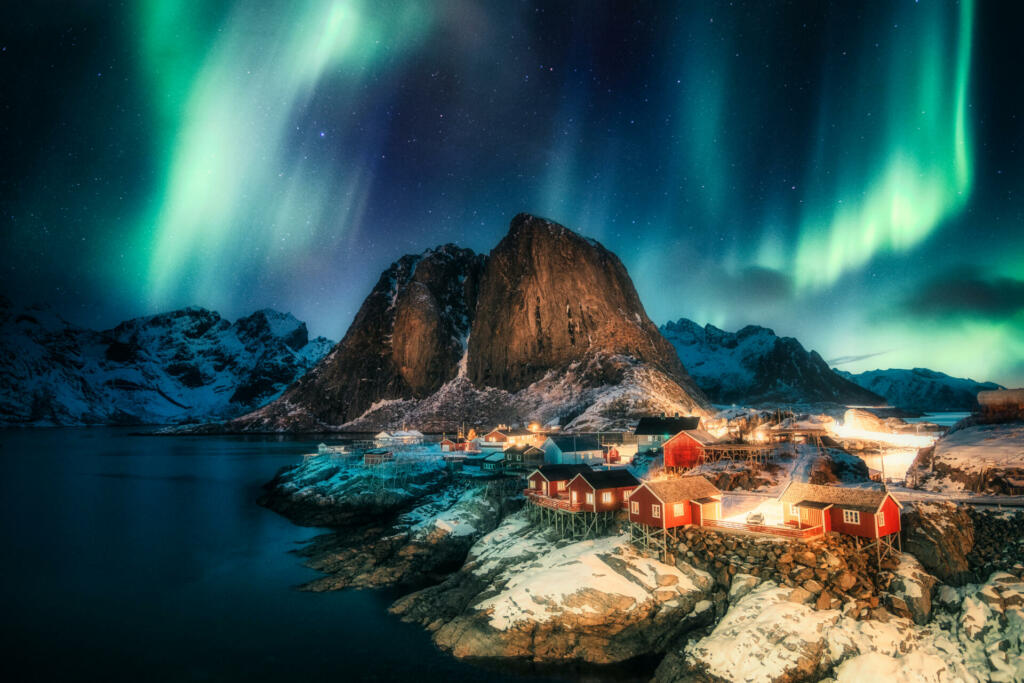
(554, 503)
(786, 532)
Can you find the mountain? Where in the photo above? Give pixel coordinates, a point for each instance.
(921, 389)
(754, 366)
(185, 365)
(547, 327)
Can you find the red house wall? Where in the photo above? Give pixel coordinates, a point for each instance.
(892, 518)
(866, 528)
(669, 519)
(580, 486)
(683, 451)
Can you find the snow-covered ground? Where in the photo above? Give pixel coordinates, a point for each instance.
(976, 448)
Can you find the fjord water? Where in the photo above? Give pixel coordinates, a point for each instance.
(130, 557)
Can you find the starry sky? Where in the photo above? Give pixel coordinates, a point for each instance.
(843, 172)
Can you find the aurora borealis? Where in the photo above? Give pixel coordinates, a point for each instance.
(845, 173)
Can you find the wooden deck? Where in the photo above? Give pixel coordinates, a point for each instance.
(784, 532)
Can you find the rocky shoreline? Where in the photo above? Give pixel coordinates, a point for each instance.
(488, 586)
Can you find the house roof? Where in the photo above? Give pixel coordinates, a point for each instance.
(692, 487)
(869, 499)
(495, 457)
(522, 448)
(518, 432)
(609, 479)
(561, 472)
(665, 426)
(699, 435)
(575, 444)
(408, 432)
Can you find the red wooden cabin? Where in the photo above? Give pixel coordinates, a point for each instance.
(863, 512)
(553, 480)
(377, 456)
(495, 436)
(601, 490)
(675, 502)
(685, 450)
(447, 445)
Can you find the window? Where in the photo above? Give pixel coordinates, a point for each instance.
(560, 486)
(590, 499)
(533, 483)
(634, 508)
(881, 518)
(679, 509)
(625, 495)
(656, 511)
(851, 517)
(793, 511)
(606, 497)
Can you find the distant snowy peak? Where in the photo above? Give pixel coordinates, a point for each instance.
(922, 389)
(183, 365)
(754, 365)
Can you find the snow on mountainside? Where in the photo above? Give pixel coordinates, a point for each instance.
(754, 365)
(183, 365)
(922, 389)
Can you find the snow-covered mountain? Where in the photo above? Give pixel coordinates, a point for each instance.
(921, 389)
(180, 366)
(548, 326)
(754, 366)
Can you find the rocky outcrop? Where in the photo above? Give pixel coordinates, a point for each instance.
(521, 595)
(181, 366)
(419, 547)
(940, 535)
(772, 635)
(921, 389)
(549, 328)
(754, 366)
(337, 491)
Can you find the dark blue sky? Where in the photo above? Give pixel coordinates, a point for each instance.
(846, 173)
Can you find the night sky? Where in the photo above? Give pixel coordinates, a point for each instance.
(846, 173)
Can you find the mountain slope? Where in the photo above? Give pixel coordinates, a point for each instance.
(184, 365)
(547, 327)
(921, 389)
(754, 365)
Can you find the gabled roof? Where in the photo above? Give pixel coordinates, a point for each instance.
(699, 435)
(575, 444)
(609, 479)
(692, 487)
(495, 457)
(868, 499)
(665, 426)
(518, 432)
(522, 448)
(560, 472)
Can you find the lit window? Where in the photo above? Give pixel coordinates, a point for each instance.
(606, 497)
(634, 508)
(851, 516)
(881, 518)
(679, 509)
(590, 499)
(793, 510)
(560, 485)
(533, 483)
(656, 511)
(625, 495)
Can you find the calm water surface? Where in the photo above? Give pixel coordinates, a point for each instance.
(146, 558)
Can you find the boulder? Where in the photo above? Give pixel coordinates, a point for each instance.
(913, 586)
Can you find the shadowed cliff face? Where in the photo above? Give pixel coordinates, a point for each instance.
(405, 342)
(550, 297)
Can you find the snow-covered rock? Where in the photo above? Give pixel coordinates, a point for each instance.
(767, 636)
(184, 365)
(754, 365)
(523, 595)
(921, 389)
(981, 458)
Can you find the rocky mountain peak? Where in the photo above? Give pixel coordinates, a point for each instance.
(550, 297)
